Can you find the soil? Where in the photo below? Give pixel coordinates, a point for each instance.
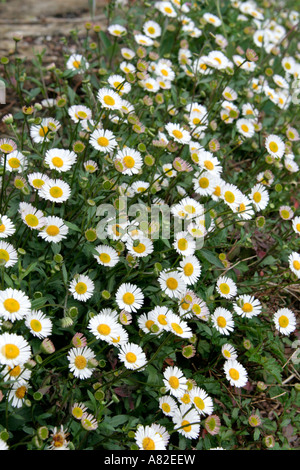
(41, 22)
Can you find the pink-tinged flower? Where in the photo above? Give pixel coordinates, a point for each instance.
(79, 340)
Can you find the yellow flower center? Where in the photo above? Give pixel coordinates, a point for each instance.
(273, 147)
(14, 162)
(166, 407)
(298, 227)
(287, 65)
(162, 319)
(148, 443)
(7, 148)
(203, 182)
(52, 230)
(81, 115)
(182, 244)
(177, 328)
(103, 141)
(57, 161)
(38, 183)
(247, 307)
(32, 220)
(128, 298)
(151, 30)
(196, 309)
(174, 382)
(234, 374)
(224, 288)
(189, 209)
(199, 403)
(185, 398)
(209, 165)
(296, 264)
(283, 321)
(186, 425)
(131, 357)
(15, 372)
(128, 161)
(2, 228)
(109, 100)
(221, 321)
(11, 305)
(77, 412)
(178, 134)
(172, 283)
(168, 10)
(20, 392)
(164, 72)
(229, 197)
(285, 214)
(104, 329)
(140, 248)
(76, 64)
(226, 353)
(10, 351)
(242, 207)
(4, 255)
(244, 128)
(43, 131)
(104, 258)
(81, 288)
(80, 362)
(228, 95)
(257, 197)
(56, 192)
(149, 323)
(188, 269)
(36, 325)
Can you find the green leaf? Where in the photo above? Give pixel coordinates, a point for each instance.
(211, 258)
(28, 270)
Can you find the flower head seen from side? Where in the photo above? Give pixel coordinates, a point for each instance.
(79, 362)
(235, 373)
(17, 394)
(285, 321)
(78, 410)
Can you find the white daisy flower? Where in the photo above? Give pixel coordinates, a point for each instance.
(104, 325)
(129, 297)
(171, 283)
(18, 374)
(245, 127)
(222, 320)
(8, 255)
(178, 133)
(82, 288)
(41, 132)
(235, 373)
(187, 421)
(119, 83)
(7, 228)
(80, 113)
(14, 349)
(14, 304)
(190, 269)
(205, 183)
(275, 146)
(60, 160)
(16, 162)
(77, 63)
(117, 30)
(245, 210)
(132, 356)
(209, 163)
(79, 362)
(259, 197)
(150, 84)
(226, 287)
(107, 256)
(152, 29)
(103, 140)
(127, 53)
(147, 438)
(39, 324)
(184, 244)
(139, 187)
(37, 179)
(247, 306)
(131, 160)
(174, 381)
(166, 8)
(285, 321)
(168, 405)
(295, 224)
(228, 351)
(55, 190)
(212, 19)
(109, 99)
(231, 195)
(139, 246)
(16, 395)
(177, 326)
(32, 217)
(294, 263)
(54, 230)
(202, 401)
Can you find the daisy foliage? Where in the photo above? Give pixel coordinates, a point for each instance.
(149, 232)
